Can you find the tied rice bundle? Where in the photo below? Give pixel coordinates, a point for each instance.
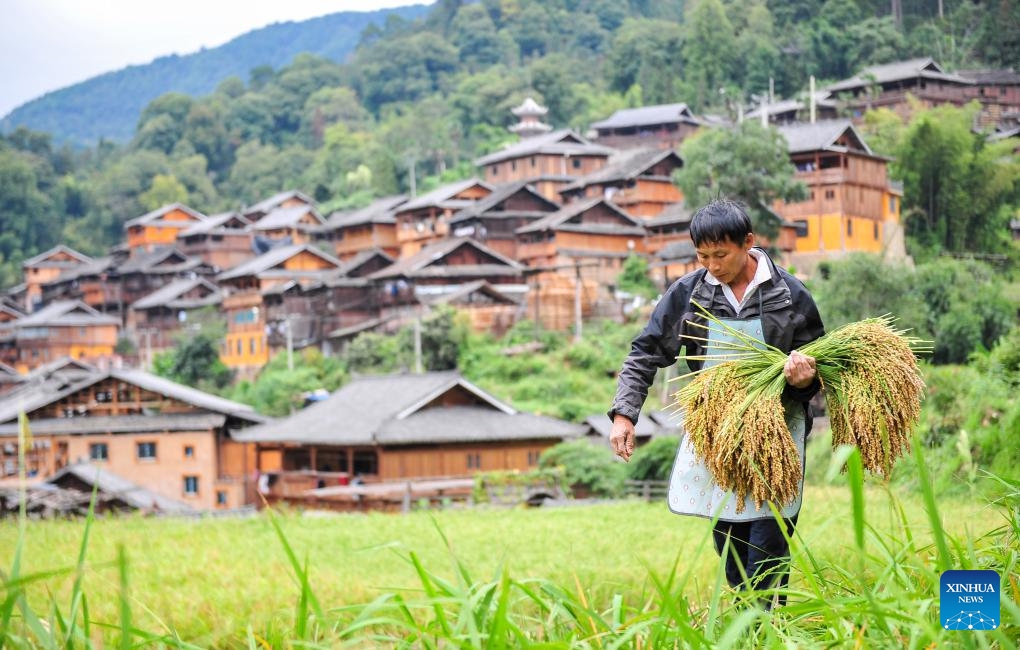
(734, 415)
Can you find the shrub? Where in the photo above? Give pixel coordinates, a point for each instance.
(589, 468)
(654, 461)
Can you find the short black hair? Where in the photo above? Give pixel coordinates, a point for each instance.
(719, 221)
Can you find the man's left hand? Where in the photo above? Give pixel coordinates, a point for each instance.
(799, 370)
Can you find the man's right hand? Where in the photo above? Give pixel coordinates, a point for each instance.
(621, 437)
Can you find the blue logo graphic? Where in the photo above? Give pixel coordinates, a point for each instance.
(970, 600)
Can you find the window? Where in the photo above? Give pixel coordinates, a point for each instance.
(239, 348)
(221, 498)
(533, 163)
(191, 486)
(251, 345)
(146, 451)
(365, 462)
(830, 194)
(849, 228)
(474, 461)
(189, 451)
(533, 457)
(577, 163)
(513, 165)
(801, 227)
(875, 226)
(98, 451)
(892, 205)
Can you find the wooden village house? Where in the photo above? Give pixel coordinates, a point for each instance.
(664, 126)
(47, 267)
(640, 181)
(174, 440)
(373, 227)
(426, 219)
(156, 321)
(222, 241)
(159, 228)
(851, 205)
(295, 224)
(494, 219)
(67, 328)
(245, 347)
(548, 161)
(396, 427)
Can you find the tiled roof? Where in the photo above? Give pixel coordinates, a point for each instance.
(148, 262)
(393, 410)
(499, 194)
(159, 213)
(648, 116)
(623, 166)
(822, 135)
(559, 143)
(42, 259)
(898, 71)
(432, 253)
(65, 313)
(673, 213)
(378, 211)
(216, 223)
(271, 258)
(118, 486)
(120, 424)
(441, 195)
(167, 295)
(287, 217)
(573, 209)
(266, 205)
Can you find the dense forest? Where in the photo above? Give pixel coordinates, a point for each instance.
(419, 99)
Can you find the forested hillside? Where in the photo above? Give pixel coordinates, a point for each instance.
(419, 100)
(107, 106)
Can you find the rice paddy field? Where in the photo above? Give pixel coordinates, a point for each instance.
(626, 574)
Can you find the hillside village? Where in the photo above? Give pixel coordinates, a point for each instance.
(541, 232)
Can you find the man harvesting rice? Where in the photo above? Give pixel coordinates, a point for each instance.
(742, 287)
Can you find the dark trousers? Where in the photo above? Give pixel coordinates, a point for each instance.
(758, 549)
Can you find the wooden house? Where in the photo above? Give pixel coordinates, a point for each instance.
(174, 440)
(663, 126)
(46, 267)
(998, 92)
(487, 308)
(155, 321)
(91, 283)
(142, 274)
(668, 243)
(222, 241)
(296, 224)
(426, 219)
(435, 424)
(594, 231)
(246, 348)
(369, 228)
(448, 264)
(494, 220)
(548, 161)
(9, 313)
(638, 180)
(159, 228)
(66, 328)
(888, 85)
(851, 204)
(287, 199)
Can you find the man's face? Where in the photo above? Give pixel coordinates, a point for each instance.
(725, 260)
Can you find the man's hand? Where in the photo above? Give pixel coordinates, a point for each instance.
(799, 370)
(621, 437)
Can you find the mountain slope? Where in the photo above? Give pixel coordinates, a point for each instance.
(108, 106)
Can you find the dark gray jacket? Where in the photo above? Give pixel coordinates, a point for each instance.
(789, 318)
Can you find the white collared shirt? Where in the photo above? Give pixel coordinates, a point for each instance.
(761, 274)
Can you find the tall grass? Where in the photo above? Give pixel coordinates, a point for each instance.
(877, 586)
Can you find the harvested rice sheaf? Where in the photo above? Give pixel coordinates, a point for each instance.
(734, 411)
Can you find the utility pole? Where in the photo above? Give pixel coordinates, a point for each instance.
(577, 302)
(290, 344)
(417, 345)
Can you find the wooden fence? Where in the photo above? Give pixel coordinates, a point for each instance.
(646, 490)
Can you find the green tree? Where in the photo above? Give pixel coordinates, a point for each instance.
(647, 54)
(748, 163)
(588, 467)
(164, 190)
(653, 461)
(957, 186)
(476, 38)
(634, 277)
(709, 51)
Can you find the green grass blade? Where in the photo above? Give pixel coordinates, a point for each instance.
(928, 494)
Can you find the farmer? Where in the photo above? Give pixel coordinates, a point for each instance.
(743, 287)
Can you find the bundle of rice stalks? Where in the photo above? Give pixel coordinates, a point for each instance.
(734, 413)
